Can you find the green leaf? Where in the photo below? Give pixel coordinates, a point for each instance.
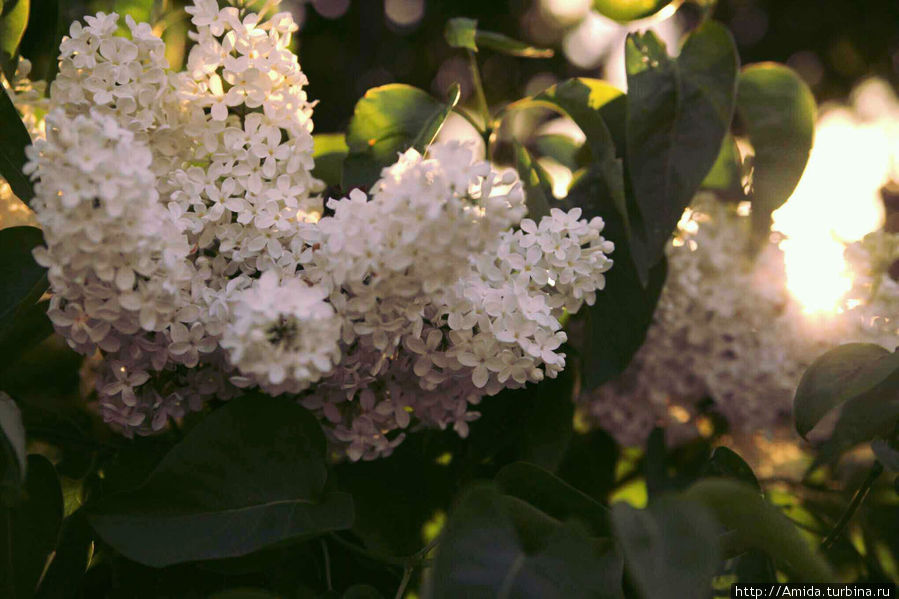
(629, 10)
(329, 152)
(23, 279)
(678, 112)
(362, 591)
(726, 463)
(25, 329)
(756, 523)
(255, 466)
(777, 109)
(872, 414)
(243, 593)
(537, 186)
(40, 44)
(13, 20)
(506, 45)
(387, 121)
(460, 33)
(70, 560)
(563, 149)
(670, 548)
(887, 456)
(582, 100)
(590, 462)
(14, 139)
(463, 33)
(841, 374)
(486, 550)
(617, 323)
(395, 497)
(552, 495)
(28, 531)
(12, 443)
(726, 175)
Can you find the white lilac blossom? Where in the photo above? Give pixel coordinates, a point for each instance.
(283, 335)
(728, 330)
(157, 206)
(872, 304)
(189, 254)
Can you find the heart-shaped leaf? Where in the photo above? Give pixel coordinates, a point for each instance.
(678, 112)
(670, 548)
(250, 475)
(777, 109)
(494, 546)
(387, 121)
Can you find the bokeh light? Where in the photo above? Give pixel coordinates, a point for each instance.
(838, 199)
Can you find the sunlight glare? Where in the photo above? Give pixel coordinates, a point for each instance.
(836, 202)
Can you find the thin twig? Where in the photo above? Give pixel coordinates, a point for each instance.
(857, 499)
(407, 576)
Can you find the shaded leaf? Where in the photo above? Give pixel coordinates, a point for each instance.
(23, 279)
(256, 465)
(678, 112)
(28, 531)
(13, 458)
(888, 456)
(484, 552)
(392, 504)
(329, 152)
(387, 121)
(552, 495)
(362, 591)
(14, 139)
(758, 524)
(563, 149)
(537, 186)
(840, 374)
(726, 463)
(777, 109)
(670, 548)
(70, 560)
(589, 463)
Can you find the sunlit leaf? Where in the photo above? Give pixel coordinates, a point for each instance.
(329, 152)
(777, 109)
(387, 121)
(629, 10)
(463, 33)
(756, 523)
(13, 20)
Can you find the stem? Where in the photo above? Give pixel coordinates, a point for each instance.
(327, 564)
(479, 96)
(857, 499)
(407, 576)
